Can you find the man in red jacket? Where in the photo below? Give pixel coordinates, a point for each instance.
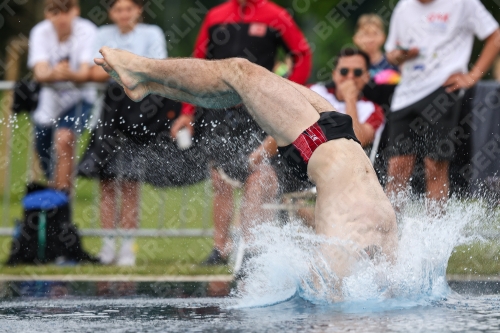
(254, 30)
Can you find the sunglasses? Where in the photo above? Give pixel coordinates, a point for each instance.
(356, 71)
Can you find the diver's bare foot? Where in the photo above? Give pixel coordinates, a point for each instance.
(123, 67)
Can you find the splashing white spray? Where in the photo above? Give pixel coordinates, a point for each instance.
(288, 261)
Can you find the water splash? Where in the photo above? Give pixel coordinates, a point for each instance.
(288, 263)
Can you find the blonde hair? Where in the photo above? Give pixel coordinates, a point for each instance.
(370, 19)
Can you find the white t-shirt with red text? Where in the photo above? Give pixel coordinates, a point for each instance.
(443, 31)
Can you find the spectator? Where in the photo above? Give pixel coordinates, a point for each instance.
(120, 166)
(60, 53)
(432, 41)
(370, 37)
(251, 29)
(350, 75)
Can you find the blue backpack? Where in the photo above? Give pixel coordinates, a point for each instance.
(46, 233)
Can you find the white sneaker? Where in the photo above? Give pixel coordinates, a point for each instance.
(107, 254)
(126, 256)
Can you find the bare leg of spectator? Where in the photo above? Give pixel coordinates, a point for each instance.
(64, 144)
(261, 188)
(128, 218)
(438, 184)
(108, 214)
(130, 204)
(129, 215)
(108, 203)
(398, 173)
(223, 210)
(307, 215)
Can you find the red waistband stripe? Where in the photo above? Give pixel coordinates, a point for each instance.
(309, 140)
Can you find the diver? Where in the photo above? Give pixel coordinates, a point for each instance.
(316, 141)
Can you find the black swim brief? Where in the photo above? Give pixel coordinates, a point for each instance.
(330, 126)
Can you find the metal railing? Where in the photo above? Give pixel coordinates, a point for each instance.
(161, 228)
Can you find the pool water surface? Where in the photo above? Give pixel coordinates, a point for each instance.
(455, 313)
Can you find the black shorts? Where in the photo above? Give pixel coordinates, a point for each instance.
(228, 138)
(132, 141)
(330, 126)
(287, 180)
(426, 127)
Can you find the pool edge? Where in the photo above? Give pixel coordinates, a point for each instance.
(118, 278)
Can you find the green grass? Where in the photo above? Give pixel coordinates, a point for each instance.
(156, 256)
(475, 259)
(181, 256)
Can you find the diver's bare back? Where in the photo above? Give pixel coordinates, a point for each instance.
(351, 204)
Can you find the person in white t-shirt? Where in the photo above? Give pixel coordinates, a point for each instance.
(432, 42)
(121, 167)
(60, 53)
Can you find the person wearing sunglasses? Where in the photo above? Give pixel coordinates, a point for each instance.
(350, 75)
